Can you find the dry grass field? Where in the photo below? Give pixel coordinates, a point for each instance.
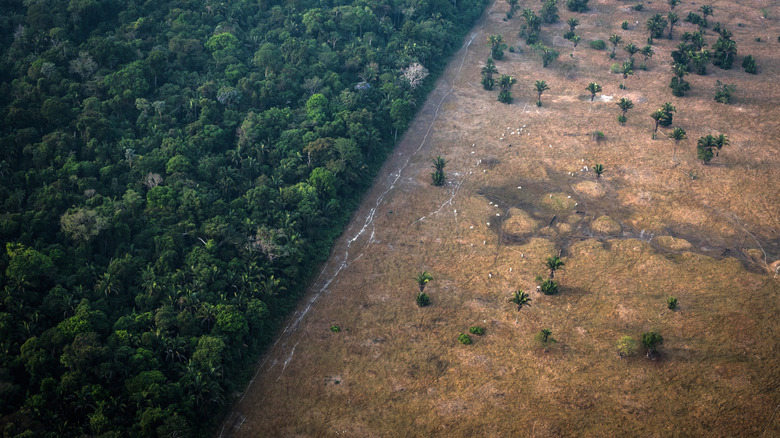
(646, 230)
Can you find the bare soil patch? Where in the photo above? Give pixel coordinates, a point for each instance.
(707, 235)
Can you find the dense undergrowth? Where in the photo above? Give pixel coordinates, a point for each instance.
(171, 174)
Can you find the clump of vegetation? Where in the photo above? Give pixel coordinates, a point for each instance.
(497, 46)
(724, 51)
(624, 104)
(627, 346)
(464, 339)
(554, 263)
(530, 30)
(544, 338)
(709, 146)
(512, 8)
(638, 7)
(678, 134)
(723, 92)
(541, 87)
(577, 5)
(548, 54)
(573, 23)
(505, 83)
(335, 328)
(438, 176)
(601, 45)
(650, 341)
(520, 298)
(593, 88)
(749, 64)
(487, 74)
(598, 136)
(671, 303)
(624, 25)
(598, 169)
(549, 287)
(477, 330)
(655, 25)
(549, 11)
(422, 299)
(678, 84)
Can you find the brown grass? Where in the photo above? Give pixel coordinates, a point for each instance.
(398, 370)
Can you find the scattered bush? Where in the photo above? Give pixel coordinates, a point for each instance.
(577, 5)
(749, 64)
(601, 45)
(627, 346)
(679, 86)
(723, 92)
(544, 338)
(638, 7)
(568, 35)
(650, 341)
(695, 19)
(624, 25)
(464, 339)
(642, 66)
(549, 287)
(438, 178)
(477, 330)
(671, 303)
(422, 299)
(622, 119)
(335, 328)
(614, 68)
(598, 136)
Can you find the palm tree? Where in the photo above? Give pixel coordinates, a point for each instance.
(422, 279)
(673, 19)
(700, 60)
(707, 11)
(657, 115)
(725, 51)
(439, 163)
(704, 148)
(625, 104)
(720, 141)
(632, 49)
(647, 52)
(549, 287)
(487, 74)
(505, 83)
(541, 87)
(615, 40)
(598, 169)
(575, 40)
(672, 4)
(656, 25)
(668, 109)
(553, 264)
(496, 43)
(677, 134)
(572, 22)
(593, 88)
(520, 298)
(627, 68)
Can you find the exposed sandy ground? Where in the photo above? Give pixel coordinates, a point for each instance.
(645, 231)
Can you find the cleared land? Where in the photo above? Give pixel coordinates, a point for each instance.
(646, 230)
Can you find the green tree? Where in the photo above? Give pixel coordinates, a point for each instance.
(724, 53)
(541, 87)
(487, 74)
(677, 134)
(655, 25)
(553, 264)
(520, 298)
(705, 147)
(572, 23)
(549, 287)
(549, 12)
(700, 59)
(532, 26)
(650, 341)
(632, 49)
(438, 175)
(422, 279)
(548, 54)
(624, 104)
(598, 169)
(544, 338)
(615, 39)
(505, 83)
(706, 11)
(723, 92)
(749, 64)
(673, 3)
(577, 5)
(593, 88)
(497, 46)
(673, 19)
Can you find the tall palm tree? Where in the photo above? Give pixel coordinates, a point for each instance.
(594, 88)
(704, 148)
(615, 40)
(553, 264)
(657, 115)
(668, 110)
(572, 22)
(673, 19)
(439, 163)
(647, 52)
(505, 83)
(627, 68)
(700, 59)
(725, 51)
(677, 134)
(520, 298)
(422, 279)
(706, 11)
(720, 141)
(655, 25)
(672, 4)
(487, 74)
(541, 87)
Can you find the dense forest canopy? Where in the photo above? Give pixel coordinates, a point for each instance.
(171, 173)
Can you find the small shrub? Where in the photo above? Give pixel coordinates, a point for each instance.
(505, 97)
(624, 25)
(598, 136)
(627, 346)
(577, 5)
(679, 86)
(671, 303)
(723, 92)
(642, 66)
(601, 45)
(612, 55)
(464, 339)
(511, 49)
(638, 7)
(621, 86)
(438, 178)
(622, 119)
(422, 299)
(764, 13)
(758, 39)
(568, 35)
(335, 328)
(614, 68)
(549, 287)
(749, 64)
(544, 338)
(477, 330)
